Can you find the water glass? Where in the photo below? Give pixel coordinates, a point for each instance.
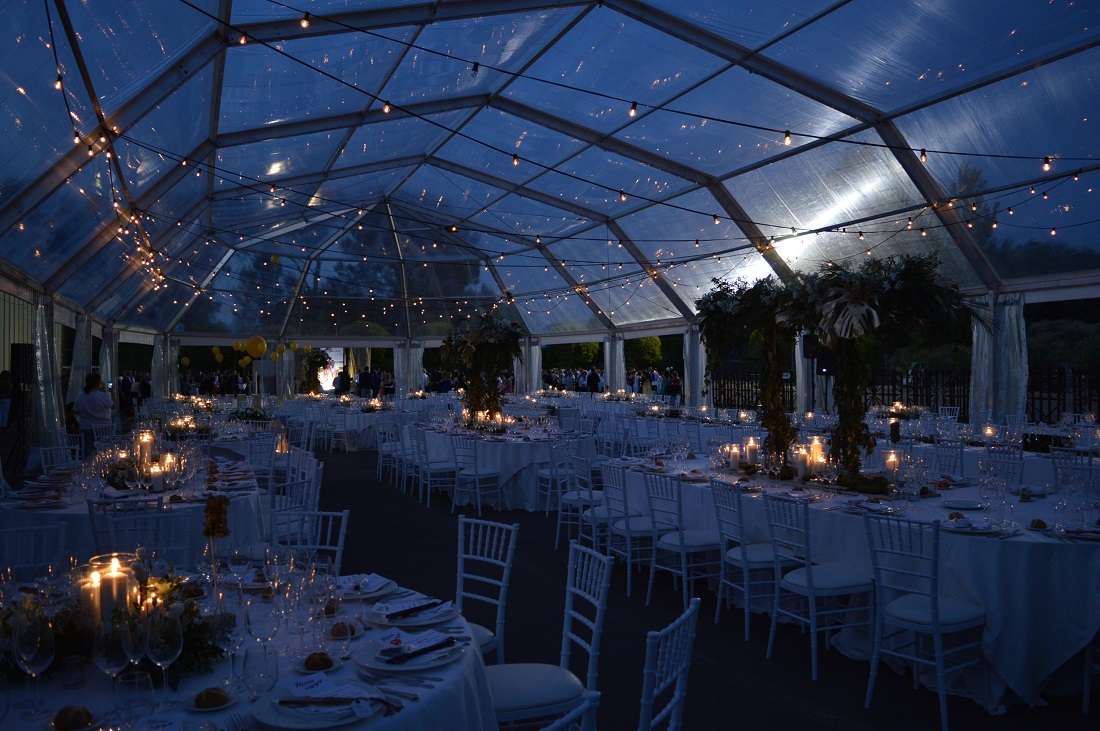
(261, 670)
(135, 696)
(164, 648)
(34, 651)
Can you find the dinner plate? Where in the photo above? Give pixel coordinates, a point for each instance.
(381, 590)
(414, 621)
(422, 662)
(963, 504)
(1082, 534)
(977, 530)
(236, 583)
(268, 711)
(300, 666)
(189, 705)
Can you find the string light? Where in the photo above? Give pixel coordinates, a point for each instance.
(787, 137)
(622, 196)
(994, 225)
(633, 109)
(1033, 190)
(717, 220)
(57, 84)
(909, 225)
(386, 107)
(1053, 231)
(1046, 164)
(244, 40)
(861, 236)
(475, 70)
(923, 156)
(1010, 211)
(1045, 196)
(304, 22)
(923, 232)
(515, 160)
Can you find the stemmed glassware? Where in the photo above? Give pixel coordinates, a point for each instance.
(261, 670)
(109, 651)
(135, 696)
(34, 648)
(165, 645)
(228, 629)
(134, 636)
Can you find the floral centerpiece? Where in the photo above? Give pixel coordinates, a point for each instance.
(184, 427)
(248, 413)
(122, 473)
(481, 347)
(897, 411)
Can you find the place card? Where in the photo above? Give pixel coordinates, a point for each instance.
(315, 685)
(166, 722)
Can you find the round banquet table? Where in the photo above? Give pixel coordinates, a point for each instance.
(1041, 594)
(459, 699)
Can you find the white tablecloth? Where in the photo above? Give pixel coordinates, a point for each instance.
(1041, 595)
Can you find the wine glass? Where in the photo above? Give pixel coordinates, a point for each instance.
(109, 652)
(34, 651)
(228, 631)
(135, 696)
(261, 670)
(263, 622)
(134, 636)
(165, 644)
(240, 561)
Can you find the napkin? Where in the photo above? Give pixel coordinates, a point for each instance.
(321, 686)
(388, 609)
(161, 722)
(396, 642)
(363, 583)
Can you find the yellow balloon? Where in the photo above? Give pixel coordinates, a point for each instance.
(216, 350)
(247, 360)
(236, 345)
(241, 362)
(185, 361)
(281, 348)
(308, 348)
(274, 258)
(256, 346)
(294, 347)
(273, 355)
(218, 357)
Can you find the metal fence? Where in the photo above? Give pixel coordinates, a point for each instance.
(1051, 392)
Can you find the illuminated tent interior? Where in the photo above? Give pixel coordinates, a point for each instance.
(369, 171)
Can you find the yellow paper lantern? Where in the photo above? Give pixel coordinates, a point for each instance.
(273, 355)
(237, 345)
(185, 361)
(219, 357)
(256, 346)
(293, 347)
(281, 348)
(307, 348)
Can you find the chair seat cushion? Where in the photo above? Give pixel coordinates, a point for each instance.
(758, 554)
(917, 609)
(828, 578)
(467, 472)
(640, 524)
(692, 540)
(579, 498)
(519, 686)
(483, 637)
(441, 466)
(548, 474)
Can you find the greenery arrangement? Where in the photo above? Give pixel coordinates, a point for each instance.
(121, 473)
(312, 361)
(248, 413)
(482, 347)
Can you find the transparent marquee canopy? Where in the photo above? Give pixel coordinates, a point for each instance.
(381, 168)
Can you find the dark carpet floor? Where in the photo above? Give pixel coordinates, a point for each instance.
(731, 684)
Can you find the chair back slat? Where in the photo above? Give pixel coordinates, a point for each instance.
(587, 585)
(668, 660)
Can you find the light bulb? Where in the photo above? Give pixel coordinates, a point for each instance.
(923, 232)
(304, 22)
(696, 243)
(76, 139)
(244, 40)
(1075, 177)
(717, 220)
(1010, 211)
(1046, 164)
(1033, 190)
(1053, 231)
(787, 137)
(475, 70)
(91, 152)
(515, 160)
(454, 229)
(994, 225)
(909, 225)
(622, 196)
(633, 109)
(386, 107)
(1045, 196)
(923, 156)
(861, 236)
(970, 224)
(538, 239)
(57, 84)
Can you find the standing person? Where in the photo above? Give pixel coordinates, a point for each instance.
(675, 387)
(654, 382)
(93, 408)
(593, 382)
(666, 381)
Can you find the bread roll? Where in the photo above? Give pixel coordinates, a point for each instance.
(71, 718)
(318, 661)
(211, 698)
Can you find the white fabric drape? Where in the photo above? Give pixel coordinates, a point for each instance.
(998, 369)
(532, 363)
(159, 371)
(108, 356)
(803, 374)
(519, 379)
(695, 367)
(614, 367)
(82, 358)
(416, 366)
(47, 388)
(400, 368)
(284, 375)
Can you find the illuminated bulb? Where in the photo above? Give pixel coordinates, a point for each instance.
(184, 162)
(454, 229)
(923, 156)
(515, 160)
(1010, 211)
(909, 225)
(1045, 196)
(1033, 190)
(717, 220)
(1053, 231)
(868, 252)
(91, 152)
(923, 232)
(57, 84)
(861, 236)
(243, 39)
(994, 225)
(76, 139)
(633, 109)
(974, 207)
(1046, 164)
(622, 196)
(538, 239)
(787, 137)
(386, 107)
(304, 22)
(696, 243)
(970, 224)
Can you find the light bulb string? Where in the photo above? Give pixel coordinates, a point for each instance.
(57, 65)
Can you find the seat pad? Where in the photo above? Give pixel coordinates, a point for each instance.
(640, 524)
(518, 686)
(828, 578)
(692, 540)
(917, 609)
(756, 553)
(483, 637)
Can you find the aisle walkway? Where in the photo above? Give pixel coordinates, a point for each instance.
(732, 685)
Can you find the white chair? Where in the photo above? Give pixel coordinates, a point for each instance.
(431, 475)
(667, 662)
(1006, 462)
(338, 434)
(745, 566)
(581, 718)
(947, 457)
(689, 554)
(553, 480)
(471, 479)
(316, 533)
(125, 525)
(578, 506)
(28, 551)
(628, 531)
(905, 556)
(60, 458)
(391, 450)
(485, 553)
(261, 456)
(949, 412)
(819, 591)
(529, 691)
(293, 494)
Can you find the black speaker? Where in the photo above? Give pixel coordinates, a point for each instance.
(22, 364)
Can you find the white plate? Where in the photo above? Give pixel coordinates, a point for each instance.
(963, 504)
(236, 583)
(1082, 535)
(266, 711)
(431, 660)
(300, 666)
(413, 621)
(384, 588)
(189, 705)
(977, 530)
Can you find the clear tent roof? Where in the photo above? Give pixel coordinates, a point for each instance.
(379, 168)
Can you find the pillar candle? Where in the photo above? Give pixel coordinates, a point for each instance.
(113, 591)
(752, 450)
(802, 463)
(892, 467)
(817, 451)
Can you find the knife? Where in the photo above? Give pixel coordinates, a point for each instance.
(320, 701)
(405, 657)
(413, 610)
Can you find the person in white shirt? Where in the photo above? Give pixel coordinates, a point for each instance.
(93, 408)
